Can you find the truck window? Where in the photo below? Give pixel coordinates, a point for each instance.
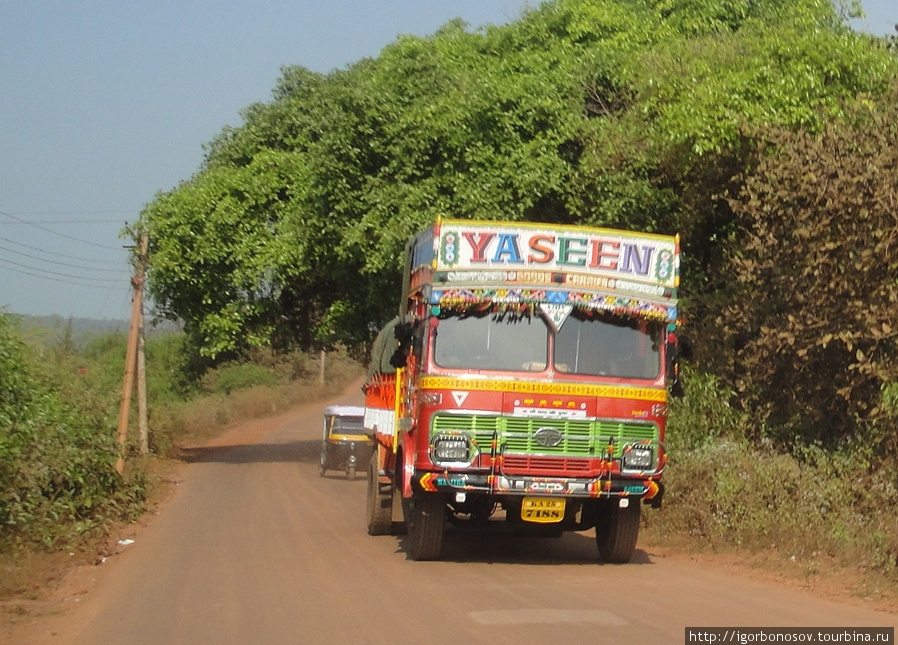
(491, 342)
(607, 345)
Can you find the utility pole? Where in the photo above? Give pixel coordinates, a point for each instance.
(143, 431)
(131, 354)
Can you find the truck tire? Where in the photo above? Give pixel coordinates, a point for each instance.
(379, 507)
(426, 525)
(616, 532)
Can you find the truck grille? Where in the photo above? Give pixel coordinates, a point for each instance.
(519, 442)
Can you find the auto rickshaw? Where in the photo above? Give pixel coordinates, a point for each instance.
(344, 445)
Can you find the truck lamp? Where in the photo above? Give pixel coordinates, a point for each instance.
(638, 457)
(451, 449)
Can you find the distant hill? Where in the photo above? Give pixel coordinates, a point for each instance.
(79, 325)
(50, 330)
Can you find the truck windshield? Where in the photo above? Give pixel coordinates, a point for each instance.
(607, 345)
(491, 342)
(590, 345)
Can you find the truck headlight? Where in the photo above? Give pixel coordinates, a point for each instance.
(451, 448)
(638, 458)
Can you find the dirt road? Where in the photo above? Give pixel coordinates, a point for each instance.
(256, 548)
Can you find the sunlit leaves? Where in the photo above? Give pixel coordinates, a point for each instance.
(218, 259)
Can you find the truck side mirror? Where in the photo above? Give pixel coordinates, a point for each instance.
(404, 333)
(399, 357)
(673, 367)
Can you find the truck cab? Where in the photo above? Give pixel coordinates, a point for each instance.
(526, 383)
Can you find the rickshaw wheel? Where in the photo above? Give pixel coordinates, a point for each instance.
(379, 507)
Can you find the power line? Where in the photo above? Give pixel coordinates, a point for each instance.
(68, 237)
(59, 255)
(88, 281)
(76, 212)
(65, 264)
(71, 221)
(79, 212)
(76, 284)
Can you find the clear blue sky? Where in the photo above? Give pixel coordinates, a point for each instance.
(106, 102)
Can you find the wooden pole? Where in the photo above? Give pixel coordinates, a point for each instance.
(321, 372)
(143, 431)
(130, 359)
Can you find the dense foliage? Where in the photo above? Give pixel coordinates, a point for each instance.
(815, 305)
(57, 452)
(818, 508)
(60, 391)
(625, 113)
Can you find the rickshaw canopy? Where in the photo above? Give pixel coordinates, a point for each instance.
(344, 411)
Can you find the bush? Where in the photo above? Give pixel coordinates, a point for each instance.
(733, 493)
(890, 399)
(703, 414)
(807, 336)
(238, 376)
(727, 488)
(57, 482)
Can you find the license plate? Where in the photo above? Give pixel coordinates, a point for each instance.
(543, 510)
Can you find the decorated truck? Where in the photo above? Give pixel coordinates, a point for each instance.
(525, 380)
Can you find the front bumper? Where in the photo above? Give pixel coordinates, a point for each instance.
(455, 482)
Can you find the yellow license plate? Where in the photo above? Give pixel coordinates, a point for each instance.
(544, 510)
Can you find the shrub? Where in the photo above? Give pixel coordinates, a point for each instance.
(812, 320)
(890, 399)
(703, 414)
(729, 487)
(238, 376)
(57, 482)
(731, 493)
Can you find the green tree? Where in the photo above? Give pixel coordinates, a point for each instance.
(627, 113)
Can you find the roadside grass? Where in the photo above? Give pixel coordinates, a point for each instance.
(211, 412)
(29, 570)
(779, 512)
(805, 512)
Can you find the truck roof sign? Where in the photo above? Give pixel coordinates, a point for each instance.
(635, 273)
(479, 246)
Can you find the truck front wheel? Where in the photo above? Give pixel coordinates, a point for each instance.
(617, 528)
(426, 525)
